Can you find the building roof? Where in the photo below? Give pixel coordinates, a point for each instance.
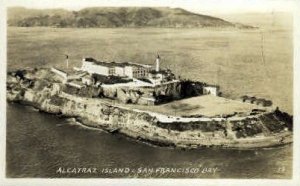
(109, 79)
(115, 64)
(161, 71)
(211, 86)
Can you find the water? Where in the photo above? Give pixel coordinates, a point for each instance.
(40, 145)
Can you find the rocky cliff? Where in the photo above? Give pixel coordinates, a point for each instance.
(261, 130)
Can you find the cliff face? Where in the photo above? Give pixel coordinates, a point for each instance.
(262, 130)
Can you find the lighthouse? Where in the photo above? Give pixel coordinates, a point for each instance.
(157, 63)
(67, 60)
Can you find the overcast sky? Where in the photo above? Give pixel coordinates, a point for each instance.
(201, 6)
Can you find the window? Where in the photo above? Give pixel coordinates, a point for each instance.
(111, 71)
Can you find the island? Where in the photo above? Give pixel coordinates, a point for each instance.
(151, 104)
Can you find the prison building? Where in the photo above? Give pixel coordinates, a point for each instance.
(125, 69)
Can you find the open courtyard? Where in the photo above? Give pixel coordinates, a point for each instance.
(206, 105)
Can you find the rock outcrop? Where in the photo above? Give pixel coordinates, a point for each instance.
(262, 130)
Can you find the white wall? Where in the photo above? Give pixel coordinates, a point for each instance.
(120, 71)
(128, 71)
(59, 72)
(96, 69)
(211, 90)
(156, 79)
(86, 81)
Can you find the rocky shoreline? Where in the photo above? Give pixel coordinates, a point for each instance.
(265, 129)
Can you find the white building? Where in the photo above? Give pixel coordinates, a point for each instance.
(127, 69)
(62, 74)
(91, 66)
(211, 89)
(152, 74)
(156, 78)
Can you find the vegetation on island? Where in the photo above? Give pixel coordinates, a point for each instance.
(111, 17)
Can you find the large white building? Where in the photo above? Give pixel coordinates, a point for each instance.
(148, 73)
(126, 69)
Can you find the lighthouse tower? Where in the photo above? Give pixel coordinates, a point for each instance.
(157, 63)
(67, 60)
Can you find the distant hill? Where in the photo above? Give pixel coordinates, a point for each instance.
(269, 20)
(110, 17)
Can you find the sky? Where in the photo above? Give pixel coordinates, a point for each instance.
(199, 6)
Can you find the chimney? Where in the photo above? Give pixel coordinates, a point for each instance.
(157, 63)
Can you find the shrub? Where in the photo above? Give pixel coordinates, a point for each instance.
(245, 128)
(198, 125)
(56, 100)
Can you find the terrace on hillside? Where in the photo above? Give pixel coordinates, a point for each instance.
(206, 105)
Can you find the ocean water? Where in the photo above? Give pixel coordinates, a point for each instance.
(41, 145)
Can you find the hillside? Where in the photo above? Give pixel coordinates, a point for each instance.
(272, 20)
(110, 17)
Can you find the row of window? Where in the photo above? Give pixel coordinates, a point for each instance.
(111, 71)
(141, 73)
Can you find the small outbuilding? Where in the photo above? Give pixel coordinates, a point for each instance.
(211, 89)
